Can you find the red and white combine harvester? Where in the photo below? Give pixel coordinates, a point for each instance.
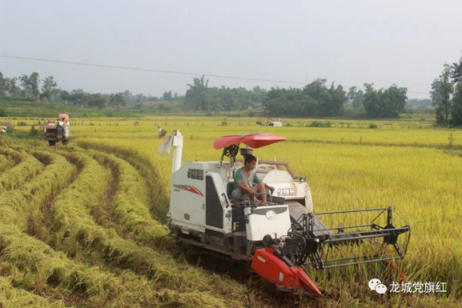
(279, 238)
(59, 131)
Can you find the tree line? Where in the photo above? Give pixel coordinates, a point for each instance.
(47, 90)
(201, 97)
(316, 99)
(446, 95)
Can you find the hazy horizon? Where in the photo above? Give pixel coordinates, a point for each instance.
(349, 43)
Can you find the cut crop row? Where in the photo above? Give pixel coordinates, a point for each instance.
(52, 275)
(11, 154)
(47, 272)
(14, 297)
(78, 235)
(146, 166)
(5, 163)
(15, 205)
(21, 173)
(130, 203)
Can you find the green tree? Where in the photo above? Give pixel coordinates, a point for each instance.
(11, 87)
(292, 102)
(441, 96)
(117, 100)
(77, 97)
(352, 94)
(456, 111)
(359, 99)
(34, 80)
(26, 88)
(212, 100)
(435, 94)
(457, 71)
(2, 85)
(167, 96)
(371, 101)
(96, 100)
(49, 84)
(195, 98)
(129, 98)
(330, 101)
(337, 100)
(65, 96)
(314, 100)
(258, 94)
(30, 85)
(386, 103)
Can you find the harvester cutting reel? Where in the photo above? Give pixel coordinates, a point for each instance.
(342, 238)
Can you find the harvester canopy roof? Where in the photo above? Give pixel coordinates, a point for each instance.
(253, 140)
(63, 116)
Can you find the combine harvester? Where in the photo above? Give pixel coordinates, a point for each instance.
(270, 122)
(60, 131)
(278, 238)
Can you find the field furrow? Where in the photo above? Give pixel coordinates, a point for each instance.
(80, 237)
(16, 297)
(52, 275)
(5, 163)
(101, 211)
(21, 173)
(11, 154)
(41, 220)
(129, 206)
(16, 205)
(149, 168)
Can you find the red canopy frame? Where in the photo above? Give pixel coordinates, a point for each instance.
(253, 140)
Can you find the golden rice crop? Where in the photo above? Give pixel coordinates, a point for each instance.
(14, 177)
(129, 205)
(45, 271)
(80, 237)
(14, 297)
(5, 163)
(105, 216)
(421, 183)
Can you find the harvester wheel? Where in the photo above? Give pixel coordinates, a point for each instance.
(51, 143)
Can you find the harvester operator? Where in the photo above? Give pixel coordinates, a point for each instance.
(246, 184)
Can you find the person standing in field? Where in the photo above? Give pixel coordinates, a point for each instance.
(160, 131)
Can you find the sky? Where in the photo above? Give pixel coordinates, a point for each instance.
(346, 42)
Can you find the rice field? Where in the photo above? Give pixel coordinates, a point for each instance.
(83, 225)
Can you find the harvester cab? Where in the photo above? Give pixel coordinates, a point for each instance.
(279, 238)
(59, 131)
